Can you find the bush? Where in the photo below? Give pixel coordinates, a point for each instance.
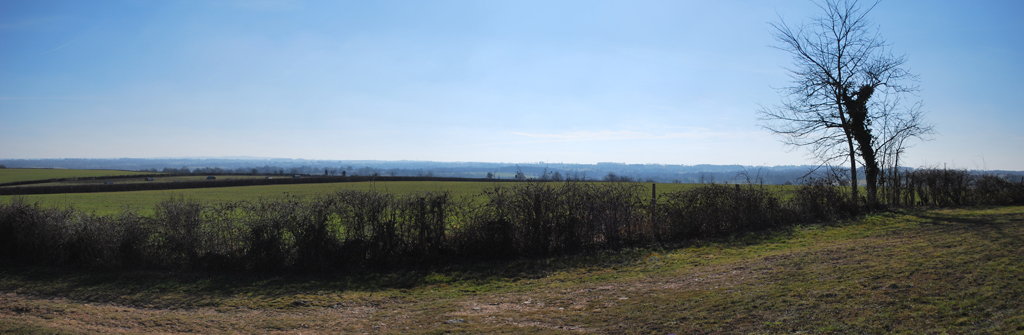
(995, 190)
(941, 188)
(538, 219)
(945, 188)
(819, 200)
(30, 234)
(179, 232)
(717, 210)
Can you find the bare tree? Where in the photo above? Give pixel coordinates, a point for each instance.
(840, 64)
(896, 127)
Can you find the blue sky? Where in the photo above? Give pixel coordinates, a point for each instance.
(670, 82)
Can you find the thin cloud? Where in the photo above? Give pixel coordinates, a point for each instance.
(58, 48)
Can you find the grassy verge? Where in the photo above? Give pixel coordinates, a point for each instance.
(940, 271)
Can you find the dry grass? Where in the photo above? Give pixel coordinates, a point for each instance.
(942, 271)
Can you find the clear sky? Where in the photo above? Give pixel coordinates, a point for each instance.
(671, 82)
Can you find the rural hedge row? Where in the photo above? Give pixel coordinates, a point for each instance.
(366, 229)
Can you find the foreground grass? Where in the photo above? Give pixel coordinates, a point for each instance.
(109, 203)
(17, 175)
(942, 271)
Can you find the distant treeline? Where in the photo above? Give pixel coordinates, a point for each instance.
(353, 230)
(613, 172)
(662, 173)
(616, 172)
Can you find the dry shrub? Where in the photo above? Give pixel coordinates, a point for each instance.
(820, 200)
(942, 188)
(948, 188)
(30, 234)
(996, 190)
(178, 234)
(264, 223)
(716, 210)
(538, 219)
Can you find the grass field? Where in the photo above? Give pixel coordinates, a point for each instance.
(106, 203)
(167, 179)
(17, 175)
(939, 271)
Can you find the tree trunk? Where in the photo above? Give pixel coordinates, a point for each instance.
(853, 173)
(870, 175)
(859, 127)
(895, 184)
(840, 105)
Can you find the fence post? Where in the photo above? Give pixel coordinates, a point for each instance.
(654, 200)
(654, 209)
(654, 193)
(423, 223)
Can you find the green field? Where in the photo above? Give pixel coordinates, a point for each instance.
(951, 271)
(166, 179)
(18, 175)
(106, 203)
